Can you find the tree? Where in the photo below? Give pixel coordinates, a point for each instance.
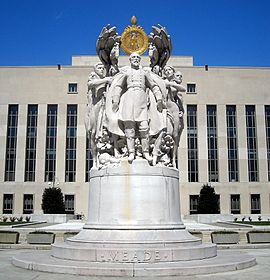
(208, 201)
(53, 201)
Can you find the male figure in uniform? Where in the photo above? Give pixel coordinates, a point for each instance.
(133, 104)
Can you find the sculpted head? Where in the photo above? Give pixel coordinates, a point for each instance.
(178, 77)
(156, 69)
(135, 60)
(151, 48)
(168, 72)
(99, 69)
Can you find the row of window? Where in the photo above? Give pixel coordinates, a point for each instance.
(28, 203)
(192, 140)
(232, 145)
(73, 88)
(255, 204)
(51, 140)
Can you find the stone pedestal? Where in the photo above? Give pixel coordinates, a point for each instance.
(134, 216)
(134, 229)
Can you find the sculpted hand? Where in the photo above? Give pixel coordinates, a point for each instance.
(159, 105)
(115, 107)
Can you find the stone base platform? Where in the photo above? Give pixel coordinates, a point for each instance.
(134, 228)
(43, 261)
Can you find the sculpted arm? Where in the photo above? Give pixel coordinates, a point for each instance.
(117, 93)
(156, 90)
(178, 87)
(94, 81)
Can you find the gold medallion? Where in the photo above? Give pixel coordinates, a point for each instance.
(134, 39)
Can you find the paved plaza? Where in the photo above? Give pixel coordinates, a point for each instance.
(259, 272)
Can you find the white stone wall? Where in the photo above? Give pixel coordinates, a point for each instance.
(219, 86)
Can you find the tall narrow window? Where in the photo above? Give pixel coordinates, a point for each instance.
(51, 135)
(267, 128)
(232, 143)
(89, 160)
(235, 203)
(192, 137)
(253, 172)
(71, 142)
(31, 139)
(28, 203)
(255, 201)
(11, 145)
(8, 204)
(212, 143)
(69, 204)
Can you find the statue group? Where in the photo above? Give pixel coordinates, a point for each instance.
(134, 111)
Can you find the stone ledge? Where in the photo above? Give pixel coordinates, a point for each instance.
(225, 261)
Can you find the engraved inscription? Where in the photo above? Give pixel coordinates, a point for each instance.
(138, 256)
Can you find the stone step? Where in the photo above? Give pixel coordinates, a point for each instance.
(43, 261)
(133, 255)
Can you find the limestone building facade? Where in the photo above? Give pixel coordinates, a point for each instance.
(225, 142)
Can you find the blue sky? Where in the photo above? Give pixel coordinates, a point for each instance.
(214, 32)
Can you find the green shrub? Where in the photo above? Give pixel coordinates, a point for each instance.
(27, 218)
(9, 231)
(53, 201)
(12, 219)
(40, 232)
(208, 202)
(224, 232)
(259, 231)
(20, 219)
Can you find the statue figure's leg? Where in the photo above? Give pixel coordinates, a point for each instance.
(94, 150)
(130, 135)
(156, 150)
(115, 145)
(99, 123)
(144, 134)
(175, 150)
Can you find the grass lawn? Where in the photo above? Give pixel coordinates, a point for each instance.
(255, 223)
(12, 223)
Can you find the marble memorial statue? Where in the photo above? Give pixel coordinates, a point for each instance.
(134, 120)
(134, 112)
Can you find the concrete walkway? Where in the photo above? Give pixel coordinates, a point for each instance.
(260, 271)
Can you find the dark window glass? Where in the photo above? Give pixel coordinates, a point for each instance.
(191, 88)
(69, 204)
(232, 143)
(255, 201)
(11, 144)
(71, 142)
(89, 160)
(51, 136)
(8, 204)
(31, 138)
(193, 204)
(72, 88)
(28, 203)
(267, 129)
(235, 203)
(192, 140)
(212, 143)
(253, 172)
